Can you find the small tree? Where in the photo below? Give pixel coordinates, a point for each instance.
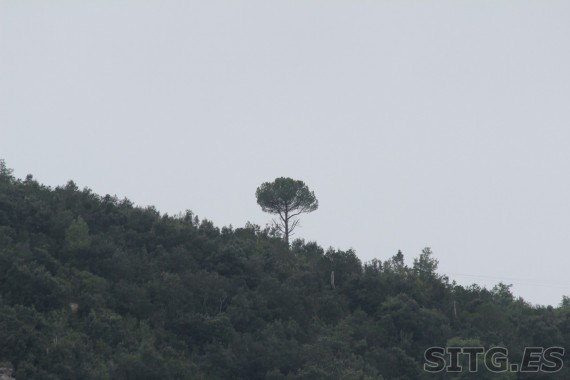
(5, 172)
(426, 265)
(287, 198)
(77, 235)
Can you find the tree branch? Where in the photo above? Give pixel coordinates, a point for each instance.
(295, 222)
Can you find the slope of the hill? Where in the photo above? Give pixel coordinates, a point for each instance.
(92, 287)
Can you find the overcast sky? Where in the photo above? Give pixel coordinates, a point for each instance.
(416, 123)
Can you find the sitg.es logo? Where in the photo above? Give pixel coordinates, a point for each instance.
(494, 359)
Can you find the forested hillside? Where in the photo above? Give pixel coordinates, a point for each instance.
(92, 287)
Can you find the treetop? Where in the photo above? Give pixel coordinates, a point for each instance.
(286, 194)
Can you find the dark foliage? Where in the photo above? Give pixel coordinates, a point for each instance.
(93, 287)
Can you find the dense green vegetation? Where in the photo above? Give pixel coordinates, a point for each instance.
(92, 287)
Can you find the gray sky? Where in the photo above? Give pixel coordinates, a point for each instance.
(417, 123)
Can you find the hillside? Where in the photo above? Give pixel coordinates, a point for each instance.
(93, 287)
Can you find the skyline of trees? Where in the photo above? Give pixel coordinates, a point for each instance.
(93, 287)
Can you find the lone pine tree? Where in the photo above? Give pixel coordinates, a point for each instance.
(287, 198)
